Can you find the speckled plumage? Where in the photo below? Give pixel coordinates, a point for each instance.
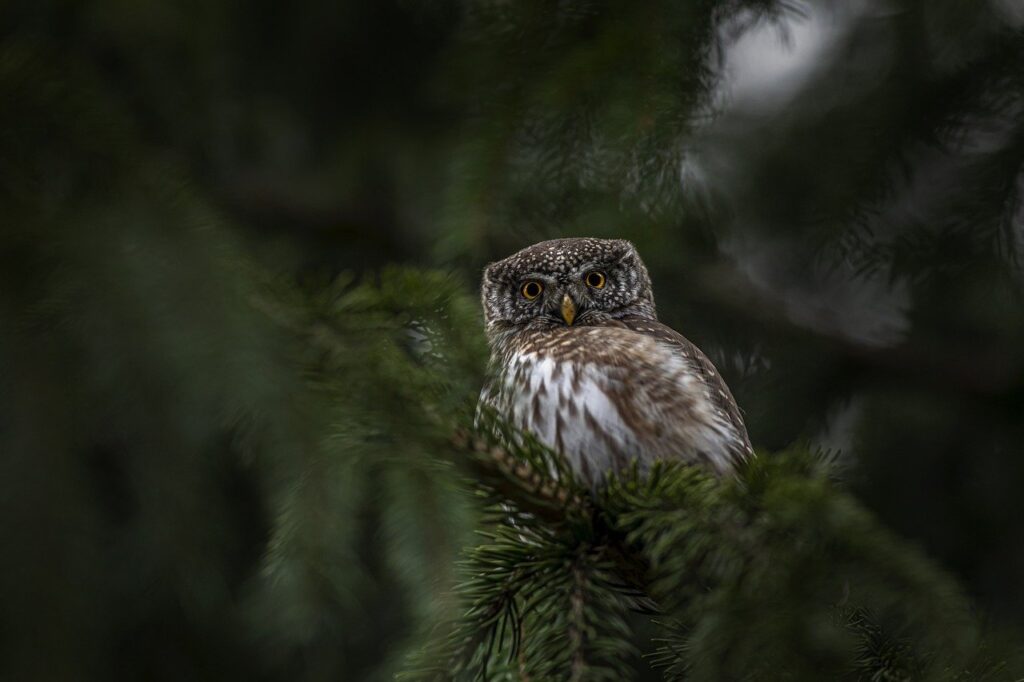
(602, 382)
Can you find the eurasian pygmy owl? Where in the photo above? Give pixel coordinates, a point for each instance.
(579, 359)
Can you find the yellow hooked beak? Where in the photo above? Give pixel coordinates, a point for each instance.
(568, 309)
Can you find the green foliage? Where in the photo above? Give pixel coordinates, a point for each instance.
(209, 468)
(754, 571)
(775, 574)
(371, 356)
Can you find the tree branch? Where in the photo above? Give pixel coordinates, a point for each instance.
(520, 483)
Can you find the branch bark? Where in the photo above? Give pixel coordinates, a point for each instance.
(520, 483)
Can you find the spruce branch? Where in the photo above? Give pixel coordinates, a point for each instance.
(521, 480)
(576, 622)
(711, 558)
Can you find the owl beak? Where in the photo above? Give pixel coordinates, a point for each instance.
(568, 309)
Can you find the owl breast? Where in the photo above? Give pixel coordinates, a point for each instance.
(601, 397)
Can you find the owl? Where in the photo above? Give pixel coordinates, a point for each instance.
(579, 360)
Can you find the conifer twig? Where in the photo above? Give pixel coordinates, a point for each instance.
(576, 624)
(519, 481)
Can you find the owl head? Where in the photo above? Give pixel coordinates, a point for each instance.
(566, 282)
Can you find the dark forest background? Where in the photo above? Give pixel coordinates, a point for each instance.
(212, 215)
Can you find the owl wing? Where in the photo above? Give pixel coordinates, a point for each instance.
(717, 389)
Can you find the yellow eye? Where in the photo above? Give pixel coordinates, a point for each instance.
(531, 290)
(595, 279)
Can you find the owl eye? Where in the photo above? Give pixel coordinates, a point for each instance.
(595, 279)
(531, 290)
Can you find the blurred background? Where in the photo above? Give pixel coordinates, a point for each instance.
(213, 468)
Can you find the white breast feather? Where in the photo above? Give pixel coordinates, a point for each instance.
(545, 398)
